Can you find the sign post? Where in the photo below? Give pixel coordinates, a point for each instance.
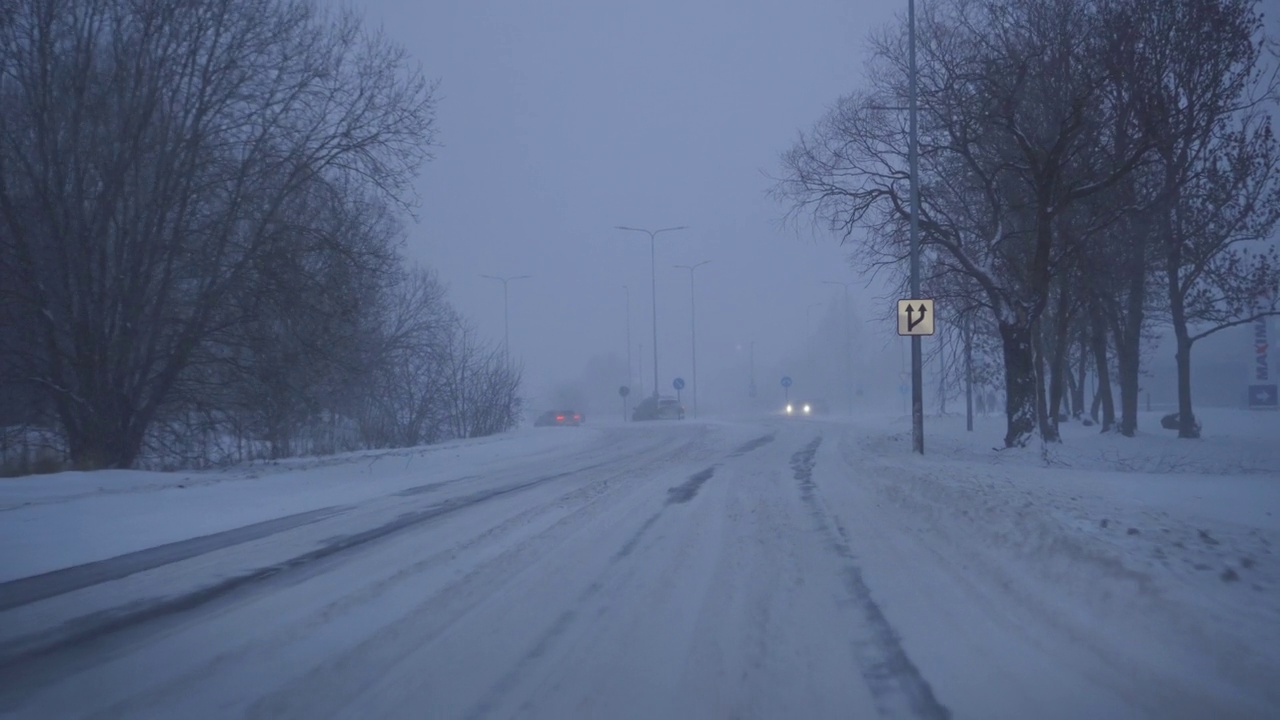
(786, 388)
(623, 392)
(915, 319)
(678, 384)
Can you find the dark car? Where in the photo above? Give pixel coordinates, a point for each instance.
(652, 408)
(804, 408)
(558, 417)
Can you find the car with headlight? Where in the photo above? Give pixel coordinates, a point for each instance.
(804, 408)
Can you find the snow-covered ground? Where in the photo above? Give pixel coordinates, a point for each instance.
(740, 567)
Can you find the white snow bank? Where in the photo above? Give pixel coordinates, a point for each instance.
(49, 522)
(1155, 546)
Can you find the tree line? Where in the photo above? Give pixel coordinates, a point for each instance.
(1090, 172)
(201, 208)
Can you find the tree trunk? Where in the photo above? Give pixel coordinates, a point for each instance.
(1101, 366)
(1019, 384)
(1048, 425)
(968, 375)
(1077, 387)
(1058, 362)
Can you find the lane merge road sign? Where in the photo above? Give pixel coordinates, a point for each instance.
(915, 317)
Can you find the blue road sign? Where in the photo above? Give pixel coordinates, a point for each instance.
(786, 381)
(678, 383)
(1264, 396)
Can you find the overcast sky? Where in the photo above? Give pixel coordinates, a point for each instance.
(561, 119)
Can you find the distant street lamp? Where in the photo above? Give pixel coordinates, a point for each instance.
(848, 343)
(693, 328)
(506, 318)
(653, 268)
(630, 375)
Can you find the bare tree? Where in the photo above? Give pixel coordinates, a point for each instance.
(1013, 100)
(150, 155)
(1204, 89)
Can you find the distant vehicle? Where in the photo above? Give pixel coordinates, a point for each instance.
(804, 408)
(558, 417)
(652, 408)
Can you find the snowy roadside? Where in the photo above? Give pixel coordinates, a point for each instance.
(50, 522)
(1126, 543)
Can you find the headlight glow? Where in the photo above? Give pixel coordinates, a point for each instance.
(788, 408)
(806, 409)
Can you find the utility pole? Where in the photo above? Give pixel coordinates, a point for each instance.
(506, 322)
(693, 329)
(653, 264)
(917, 389)
(630, 375)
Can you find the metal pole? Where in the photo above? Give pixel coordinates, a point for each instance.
(917, 389)
(653, 277)
(630, 374)
(506, 320)
(693, 329)
(653, 265)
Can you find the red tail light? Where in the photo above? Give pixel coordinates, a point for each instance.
(560, 418)
(576, 416)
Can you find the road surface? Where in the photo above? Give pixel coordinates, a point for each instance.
(683, 570)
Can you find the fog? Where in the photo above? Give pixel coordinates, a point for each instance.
(559, 121)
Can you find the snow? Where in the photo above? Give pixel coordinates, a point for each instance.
(739, 567)
(55, 521)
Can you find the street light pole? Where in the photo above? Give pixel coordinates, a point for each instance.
(630, 375)
(848, 344)
(506, 318)
(917, 374)
(653, 265)
(693, 329)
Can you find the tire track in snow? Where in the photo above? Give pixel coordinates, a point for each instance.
(896, 685)
(95, 626)
(676, 495)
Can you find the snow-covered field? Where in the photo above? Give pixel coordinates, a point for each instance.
(740, 567)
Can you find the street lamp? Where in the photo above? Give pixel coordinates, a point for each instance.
(653, 265)
(630, 375)
(693, 329)
(848, 343)
(506, 318)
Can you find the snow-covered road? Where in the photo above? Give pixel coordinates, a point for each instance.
(746, 569)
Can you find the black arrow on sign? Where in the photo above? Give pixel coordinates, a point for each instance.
(912, 323)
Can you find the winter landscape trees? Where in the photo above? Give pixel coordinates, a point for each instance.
(198, 237)
(1086, 169)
